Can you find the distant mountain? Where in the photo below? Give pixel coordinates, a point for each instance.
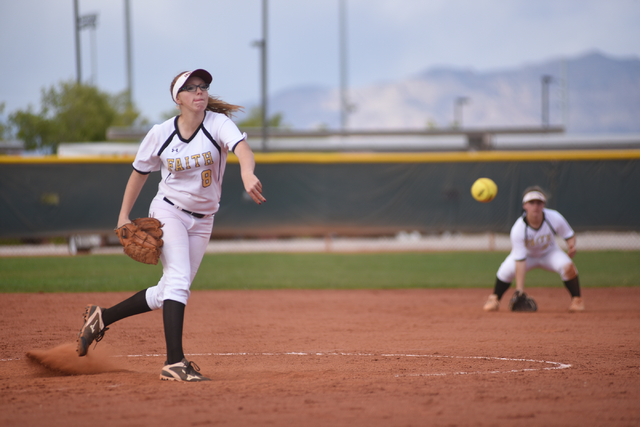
(591, 93)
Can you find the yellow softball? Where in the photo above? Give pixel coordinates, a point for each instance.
(484, 190)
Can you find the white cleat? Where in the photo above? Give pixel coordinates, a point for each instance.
(182, 371)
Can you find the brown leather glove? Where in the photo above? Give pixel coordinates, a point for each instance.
(142, 239)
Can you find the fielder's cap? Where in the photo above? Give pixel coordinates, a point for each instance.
(203, 74)
(534, 195)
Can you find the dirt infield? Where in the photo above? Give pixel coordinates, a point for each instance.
(330, 358)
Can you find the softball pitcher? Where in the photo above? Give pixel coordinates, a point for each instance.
(533, 245)
(190, 151)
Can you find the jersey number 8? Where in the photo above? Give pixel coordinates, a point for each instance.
(206, 178)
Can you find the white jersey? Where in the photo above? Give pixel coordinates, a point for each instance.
(526, 241)
(191, 169)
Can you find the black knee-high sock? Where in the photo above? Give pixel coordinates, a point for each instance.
(173, 318)
(500, 287)
(573, 286)
(136, 304)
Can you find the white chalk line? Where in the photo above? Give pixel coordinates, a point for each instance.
(554, 365)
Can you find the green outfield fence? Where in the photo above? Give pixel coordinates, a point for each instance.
(332, 200)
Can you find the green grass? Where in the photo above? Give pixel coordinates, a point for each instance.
(105, 273)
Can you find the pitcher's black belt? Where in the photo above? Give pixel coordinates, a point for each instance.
(193, 214)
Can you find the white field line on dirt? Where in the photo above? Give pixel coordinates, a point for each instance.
(554, 365)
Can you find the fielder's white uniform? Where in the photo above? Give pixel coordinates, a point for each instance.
(188, 196)
(537, 247)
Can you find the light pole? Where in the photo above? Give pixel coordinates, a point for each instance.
(457, 110)
(546, 81)
(76, 21)
(91, 21)
(127, 28)
(344, 95)
(262, 45)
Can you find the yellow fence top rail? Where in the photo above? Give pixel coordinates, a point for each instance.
(345, 157)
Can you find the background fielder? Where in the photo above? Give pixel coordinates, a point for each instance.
(533, 245)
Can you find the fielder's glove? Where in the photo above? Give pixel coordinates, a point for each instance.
(142, 239)
(522, 302)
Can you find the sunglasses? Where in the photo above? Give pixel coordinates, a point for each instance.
(193, 88)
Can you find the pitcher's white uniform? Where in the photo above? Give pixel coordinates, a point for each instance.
(537, 247)
(188, 195)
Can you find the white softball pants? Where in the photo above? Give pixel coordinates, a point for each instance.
(555, 261)
(185, 241)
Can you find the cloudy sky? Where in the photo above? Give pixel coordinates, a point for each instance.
(387, 40)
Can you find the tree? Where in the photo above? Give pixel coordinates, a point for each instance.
(71, 112)
(126, 113)
(35, 130)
